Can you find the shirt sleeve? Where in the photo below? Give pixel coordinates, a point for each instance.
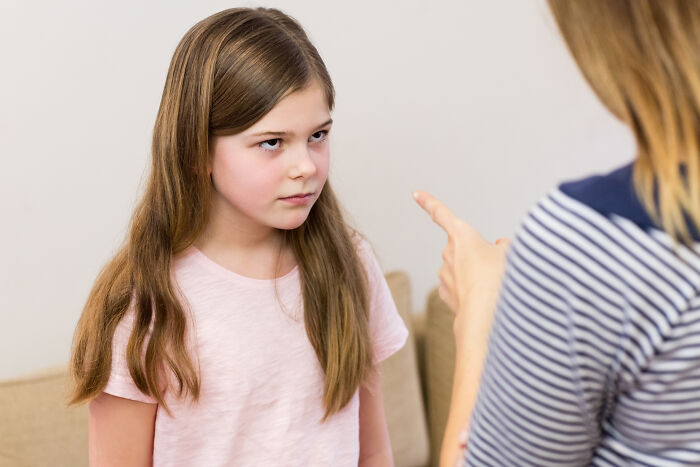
(387, 329)
(120, 383)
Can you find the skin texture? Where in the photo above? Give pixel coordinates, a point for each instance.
(120, 432)
(470, 279)
(375, 447)
(283, 154)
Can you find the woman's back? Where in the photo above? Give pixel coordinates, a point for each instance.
(595, 350)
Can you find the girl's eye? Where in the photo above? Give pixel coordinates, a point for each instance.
(318, 136)
(271, 144)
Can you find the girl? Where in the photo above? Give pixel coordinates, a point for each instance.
(594, 357)
(242, 321)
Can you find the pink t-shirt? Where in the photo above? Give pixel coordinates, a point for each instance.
(261, 383)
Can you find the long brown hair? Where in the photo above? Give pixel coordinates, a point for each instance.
(642, 58)
(227, 72)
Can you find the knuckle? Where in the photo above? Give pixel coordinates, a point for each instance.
(461, 226)
(444, 270)
(445, 297)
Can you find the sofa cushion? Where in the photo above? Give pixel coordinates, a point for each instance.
(403, 400)
(36, 426)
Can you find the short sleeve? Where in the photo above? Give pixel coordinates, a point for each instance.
(387, 330)
(120, 383)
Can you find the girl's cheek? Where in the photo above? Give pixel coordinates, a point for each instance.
(322, 168)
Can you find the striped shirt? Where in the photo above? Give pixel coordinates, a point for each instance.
(594, 355)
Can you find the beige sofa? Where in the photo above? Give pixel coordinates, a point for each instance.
(37, 429)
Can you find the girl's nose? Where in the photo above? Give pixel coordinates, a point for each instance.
(303, 165)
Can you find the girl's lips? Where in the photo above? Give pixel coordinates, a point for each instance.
(299, 200)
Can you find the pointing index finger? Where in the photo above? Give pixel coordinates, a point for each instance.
(439, 213)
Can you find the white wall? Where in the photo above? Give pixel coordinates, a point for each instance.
(477, 101)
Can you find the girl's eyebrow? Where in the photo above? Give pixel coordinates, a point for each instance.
(285, 133)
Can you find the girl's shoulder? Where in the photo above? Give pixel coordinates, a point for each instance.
(360, 242)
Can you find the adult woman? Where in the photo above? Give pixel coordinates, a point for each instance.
(594, 355)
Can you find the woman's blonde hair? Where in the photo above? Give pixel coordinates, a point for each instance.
(642, 58)
(227, 72)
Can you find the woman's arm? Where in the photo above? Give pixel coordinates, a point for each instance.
(120, 431)
(375, 447)
(470, 278)
(471, 346)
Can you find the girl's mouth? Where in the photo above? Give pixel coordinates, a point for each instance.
(299, 199)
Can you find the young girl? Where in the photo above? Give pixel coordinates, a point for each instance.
(242, 321)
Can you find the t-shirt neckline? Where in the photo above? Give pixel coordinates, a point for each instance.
(222, 271)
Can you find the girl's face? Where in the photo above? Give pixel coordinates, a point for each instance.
(271, 174)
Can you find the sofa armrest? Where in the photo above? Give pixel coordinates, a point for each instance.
(36, 425)
(401, 387)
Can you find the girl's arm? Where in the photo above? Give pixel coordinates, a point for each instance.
(120, 432)
(375, 447)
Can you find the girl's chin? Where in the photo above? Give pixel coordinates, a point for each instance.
(292, 224)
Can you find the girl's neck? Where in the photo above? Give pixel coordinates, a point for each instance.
(238, 237)
(248, 249)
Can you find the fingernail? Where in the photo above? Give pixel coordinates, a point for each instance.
(415, 195)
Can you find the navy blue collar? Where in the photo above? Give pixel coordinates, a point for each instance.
(614, 194)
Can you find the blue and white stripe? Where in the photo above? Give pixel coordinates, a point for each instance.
(594, 356)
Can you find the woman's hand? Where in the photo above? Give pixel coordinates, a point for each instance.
(472, 267)
(470, 278)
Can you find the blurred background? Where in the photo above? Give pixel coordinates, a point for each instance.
(476, 101)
